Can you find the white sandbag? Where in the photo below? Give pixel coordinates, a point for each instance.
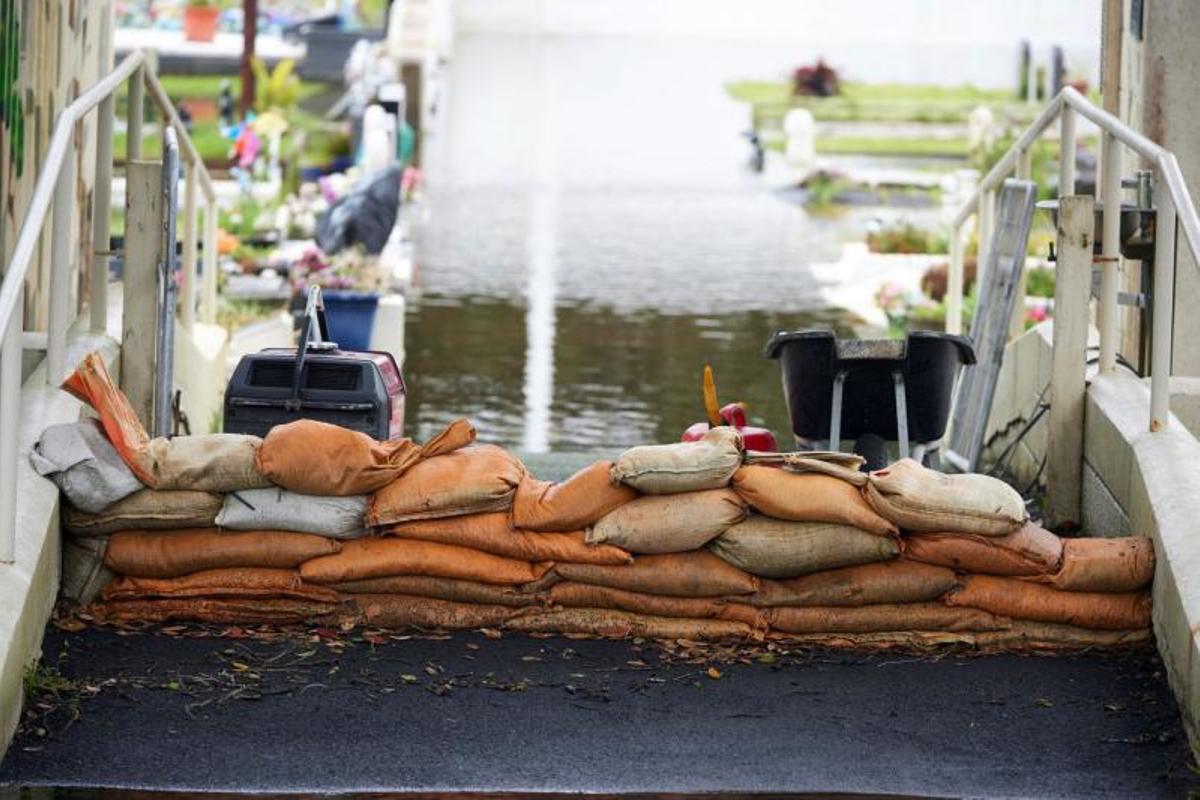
(920, 499)
(682, 467)
(214, 462)
(84, 465)
(280, 510)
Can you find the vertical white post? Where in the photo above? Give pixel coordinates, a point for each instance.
(133, 132)
(1066, 164)
(954, 282)
(208, 299)
(143, 249)
(187, 288)
(10, 417)
(1068, 367)
(61, 272)
(1111, 251)
(987, 207)
(1164, 310)
(1025, 164)
(102, 191)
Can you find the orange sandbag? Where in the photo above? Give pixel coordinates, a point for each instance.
(584, 595)
(1124, 564)
(669, 523)
(695, 574)
(622, 624)
(227, 582)
(314, 457)
(1047, 636)
(90, 382)
(378, 558)
(1032, 550)
(471, 480)
(881, 618)
(409, 611)
(808, 497)
(224, 611)
(443, 589)
(1010, 597)
(898, 581)
(169, 554)
(492, 534)
(572, 505)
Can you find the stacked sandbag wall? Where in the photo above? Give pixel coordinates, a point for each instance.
(318, 524)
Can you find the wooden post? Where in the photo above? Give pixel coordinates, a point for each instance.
(143, 237)
(249, 34)
(1068, 370)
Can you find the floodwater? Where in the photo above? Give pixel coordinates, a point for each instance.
(593, 238)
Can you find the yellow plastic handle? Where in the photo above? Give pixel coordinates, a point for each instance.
(712, 408)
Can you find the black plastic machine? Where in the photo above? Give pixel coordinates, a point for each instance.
(362, 391)
(870, 391)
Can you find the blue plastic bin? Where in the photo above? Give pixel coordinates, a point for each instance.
(350, 316)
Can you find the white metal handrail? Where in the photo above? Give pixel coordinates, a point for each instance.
(1174, 205)
(54, 194)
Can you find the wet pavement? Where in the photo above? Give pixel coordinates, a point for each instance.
(469, 713)
(593, 238)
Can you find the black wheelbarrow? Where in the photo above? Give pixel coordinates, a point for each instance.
(870, 391)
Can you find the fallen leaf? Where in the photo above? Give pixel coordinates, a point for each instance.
(713, 673)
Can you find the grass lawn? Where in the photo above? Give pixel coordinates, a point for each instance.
(208, 87)
(207, 137)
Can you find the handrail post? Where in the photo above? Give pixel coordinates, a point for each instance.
(1066, 164)
(60, 271)
(987, 210)
(1164, 311)
(187, 288)
(102, 197)
(133, 132)
(1110, 250)
(10, 418)
(954, 282)
(208, 300)
(1025, 163)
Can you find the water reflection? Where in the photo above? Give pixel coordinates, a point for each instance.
(593, 239)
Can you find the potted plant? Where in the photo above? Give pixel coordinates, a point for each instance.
(350, 285)
(200, 19)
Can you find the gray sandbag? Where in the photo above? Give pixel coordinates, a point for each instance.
(775, 548)
(83, 570)
(83, 464)
(681, 467)
(213, 462)
(280, 510)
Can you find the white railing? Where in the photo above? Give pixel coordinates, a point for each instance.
(54, 195)
(1172, 206)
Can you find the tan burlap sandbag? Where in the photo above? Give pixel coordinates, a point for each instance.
(1047, 636)
(224, 610)
(410, 611)
(571, 505)
(314, 457)
(917, 498)
(214, 462)
(491, 533)
(148, 509)
(807, 497)
(586, 595)
(695, 574)
(1010, 597)
(458, 591)
(169, 554)
(226, 582)
(683, 466)
(1123, 564)
(895, 581)
(471, 480)
(669, 523)
(378, 558)
(622, 625)
(879, 618)
(775, 548)
(1032, 550)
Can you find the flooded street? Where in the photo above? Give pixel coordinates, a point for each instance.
(594, 238)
